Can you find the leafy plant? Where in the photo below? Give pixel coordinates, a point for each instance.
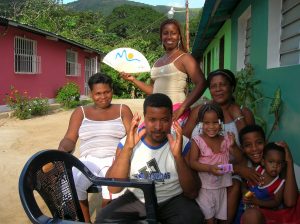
(39, 106)
(247, 92)
(19, 103)
(275, 109)
(23, 106)
(69, 95)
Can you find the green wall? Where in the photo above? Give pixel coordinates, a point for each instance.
(287, 78)
(214, 49)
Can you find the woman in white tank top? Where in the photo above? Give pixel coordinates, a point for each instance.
(221, 85)
(99, 127)
(170, 72)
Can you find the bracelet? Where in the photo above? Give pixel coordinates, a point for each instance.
(239, 118)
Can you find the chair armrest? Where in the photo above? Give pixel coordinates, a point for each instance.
(147, 186)
(94, 189)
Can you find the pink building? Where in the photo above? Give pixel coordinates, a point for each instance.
(40, 62)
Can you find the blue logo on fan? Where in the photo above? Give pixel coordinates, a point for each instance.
(128, 57)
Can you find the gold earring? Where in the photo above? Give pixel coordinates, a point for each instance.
(178, 45)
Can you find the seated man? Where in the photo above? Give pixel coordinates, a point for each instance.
(155, 154)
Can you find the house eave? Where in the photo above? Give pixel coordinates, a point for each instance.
(215, 14)
(46, 34)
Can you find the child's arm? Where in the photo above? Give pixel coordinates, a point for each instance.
(272, 203)
(244, 188)
(194, 161)
(290, 192)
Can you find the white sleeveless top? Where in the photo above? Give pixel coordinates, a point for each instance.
(100, 138)
(170, 81)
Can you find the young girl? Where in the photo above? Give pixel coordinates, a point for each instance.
(209, 156)
(270, 193)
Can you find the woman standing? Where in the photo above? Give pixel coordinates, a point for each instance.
(221, 84)
(99, 127)
(170, 72)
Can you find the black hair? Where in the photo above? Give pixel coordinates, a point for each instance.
(224, 72)
(177, 24)
(210, 107)
(272, 146)
(251, 128)
(99, 78)
(158, 100)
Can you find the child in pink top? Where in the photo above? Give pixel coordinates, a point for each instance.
(210, 156)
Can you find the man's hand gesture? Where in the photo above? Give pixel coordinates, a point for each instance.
(133, 136)
(176, 144)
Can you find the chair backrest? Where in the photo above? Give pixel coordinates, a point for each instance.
(49, 172)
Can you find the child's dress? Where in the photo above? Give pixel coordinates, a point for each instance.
(212, 197)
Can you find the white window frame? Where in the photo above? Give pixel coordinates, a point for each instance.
(26, 60)
(73, 68)
(242, 38)
(90, 68)
(274, 35)
(290, 33)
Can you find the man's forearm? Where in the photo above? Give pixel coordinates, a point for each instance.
(189, 182)
(121, 166)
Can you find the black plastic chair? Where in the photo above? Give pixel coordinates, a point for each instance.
(49, 172)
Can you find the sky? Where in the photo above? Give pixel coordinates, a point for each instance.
(174, 3)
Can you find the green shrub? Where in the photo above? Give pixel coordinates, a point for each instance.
(69, 95)
(19, 103)
(23, 106)
(39, 106)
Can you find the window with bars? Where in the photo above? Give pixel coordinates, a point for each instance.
(25, 55)
(221, 52)
(73, 68)
(248, 41)
(290, 33)
(244, 39)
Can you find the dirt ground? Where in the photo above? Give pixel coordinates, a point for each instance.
(20, 139)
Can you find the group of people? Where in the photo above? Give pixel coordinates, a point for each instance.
(214, 166)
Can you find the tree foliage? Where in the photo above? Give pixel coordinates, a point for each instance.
(126, 26)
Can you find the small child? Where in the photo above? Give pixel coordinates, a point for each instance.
(209, 156)
(270, 194)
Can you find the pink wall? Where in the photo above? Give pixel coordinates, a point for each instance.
(53, 65)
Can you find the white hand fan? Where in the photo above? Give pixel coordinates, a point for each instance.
(127, 60)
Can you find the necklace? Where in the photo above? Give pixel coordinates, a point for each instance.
(167, 57)
(165, 60)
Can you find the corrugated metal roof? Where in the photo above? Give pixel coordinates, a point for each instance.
(214, 15)
(6, 22)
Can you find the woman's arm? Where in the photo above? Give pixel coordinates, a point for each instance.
(68, 143)
(191, 122)
(126, 117)
(242, 117)
(192, 69)
(148, 89)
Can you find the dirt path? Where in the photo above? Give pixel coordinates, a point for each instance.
(19, 140)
